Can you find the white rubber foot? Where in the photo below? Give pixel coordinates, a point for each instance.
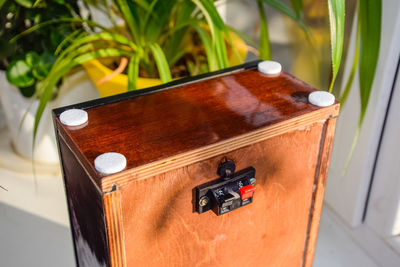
(321, 98)
(270, 68)
(109, 163)
(74, 117)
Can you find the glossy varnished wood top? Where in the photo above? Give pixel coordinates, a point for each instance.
(164, 124)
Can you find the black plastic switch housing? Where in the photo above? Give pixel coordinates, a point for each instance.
(223, 195)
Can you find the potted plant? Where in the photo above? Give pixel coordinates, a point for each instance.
(183, 34)
(110, 81)
(159, 39)
(26, 63)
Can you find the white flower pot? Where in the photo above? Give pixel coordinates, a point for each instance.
(75, 88)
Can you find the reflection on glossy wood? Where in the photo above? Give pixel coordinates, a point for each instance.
(164, 124)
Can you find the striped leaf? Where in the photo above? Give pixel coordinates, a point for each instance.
(161, 61)
(370, 16)
(370, 35)
(133, 73)
(336, 20)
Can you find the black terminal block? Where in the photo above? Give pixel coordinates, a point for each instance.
(227, 193)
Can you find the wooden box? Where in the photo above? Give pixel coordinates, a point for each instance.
(174, 138)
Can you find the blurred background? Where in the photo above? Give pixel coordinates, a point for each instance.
(360, 224)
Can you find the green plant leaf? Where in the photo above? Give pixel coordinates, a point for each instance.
(26, 3)
(282, 7)
(159, 14)
(150, 13)
(19, 73)
(207, 43)
(32, 58)
(56, 21)
(264, 45)
(285, 9)
(87, 42)
(102, 36)
(370, 37)
(297, 7)
(75, 34)
(175, 44)
(129, 19)
(133, 72)
(56, 38)
(2, 3)
(210, 12)
(27, 91)
(217, 28)
(220, 49)
(37, 2)
(336, 20)
(350, 80)
(162, 64)
(369, 15)
(43, 66)
(142, 3)
(179, 54)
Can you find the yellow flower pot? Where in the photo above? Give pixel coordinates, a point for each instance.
(119, 83)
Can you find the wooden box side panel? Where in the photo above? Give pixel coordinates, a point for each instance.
(318, 198)
(85, 204)
(161, 228)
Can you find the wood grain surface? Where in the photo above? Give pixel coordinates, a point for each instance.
(161, 228)
(154, 127)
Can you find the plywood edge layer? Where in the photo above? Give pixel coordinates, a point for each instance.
(112, 209)
(183, 159)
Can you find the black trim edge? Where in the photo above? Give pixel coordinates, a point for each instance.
(158, 88)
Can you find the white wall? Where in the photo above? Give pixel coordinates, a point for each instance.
(347, 194)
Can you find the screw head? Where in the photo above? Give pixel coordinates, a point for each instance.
(203, 201)
(253, 181)
(226, 169)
